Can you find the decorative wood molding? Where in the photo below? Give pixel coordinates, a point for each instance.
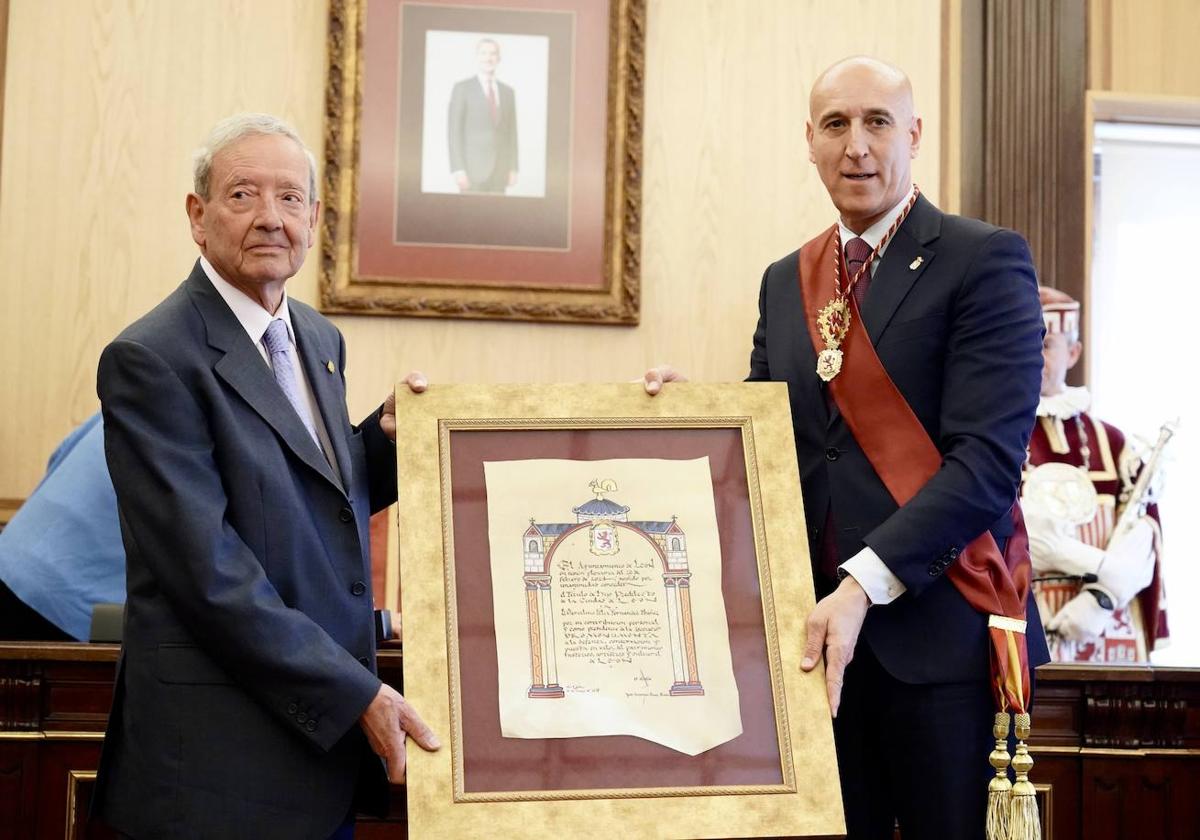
(75, 778)
(1035, 79)
(1025, 151)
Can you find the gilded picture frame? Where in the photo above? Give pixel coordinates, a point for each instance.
(779, 778)
(561, 241)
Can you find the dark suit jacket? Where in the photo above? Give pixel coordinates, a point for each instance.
(477, 146)
(249, 647)
(961, 336)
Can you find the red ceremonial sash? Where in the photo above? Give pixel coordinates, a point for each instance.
(904, 456)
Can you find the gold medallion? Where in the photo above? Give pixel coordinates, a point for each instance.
(833, 322)
(829, 363)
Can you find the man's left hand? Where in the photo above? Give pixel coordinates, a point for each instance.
(833, 626)
(416, 383)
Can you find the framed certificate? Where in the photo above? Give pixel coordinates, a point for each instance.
(604, 597)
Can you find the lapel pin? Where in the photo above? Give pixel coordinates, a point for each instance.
(915, 264)
(329, 366)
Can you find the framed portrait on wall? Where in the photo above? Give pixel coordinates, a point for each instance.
(482, 159)
(603, 602)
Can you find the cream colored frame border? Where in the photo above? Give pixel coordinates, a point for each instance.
(809, 801)
(618, 302)
(1106, 106)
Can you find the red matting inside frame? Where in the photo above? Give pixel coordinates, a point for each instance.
(380, 257)
(493, 763)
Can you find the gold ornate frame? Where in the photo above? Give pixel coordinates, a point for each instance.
(806, 803)
(616, 303)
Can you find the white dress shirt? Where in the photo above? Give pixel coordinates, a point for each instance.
(255, 320)
(877, 580)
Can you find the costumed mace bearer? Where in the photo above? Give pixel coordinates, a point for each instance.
(1089, 501)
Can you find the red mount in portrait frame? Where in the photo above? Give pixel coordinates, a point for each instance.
(388, 247)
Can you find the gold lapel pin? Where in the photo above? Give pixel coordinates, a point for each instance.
(329, 366)
(915, 264)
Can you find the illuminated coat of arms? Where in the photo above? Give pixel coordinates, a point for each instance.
(662, 541)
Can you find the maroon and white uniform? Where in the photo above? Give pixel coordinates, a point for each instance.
(1065, 433)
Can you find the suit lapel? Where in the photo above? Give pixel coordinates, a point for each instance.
(903, 263)
(244, 369)
(316, 357)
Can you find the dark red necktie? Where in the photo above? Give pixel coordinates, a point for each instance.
(492, 102)
(857, 251)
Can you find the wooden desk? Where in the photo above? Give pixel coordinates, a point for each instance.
(1117, 750)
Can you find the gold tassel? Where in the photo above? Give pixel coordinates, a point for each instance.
(1023, 822)
(999, 788)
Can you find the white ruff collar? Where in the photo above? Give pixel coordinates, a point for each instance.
(1065, 404)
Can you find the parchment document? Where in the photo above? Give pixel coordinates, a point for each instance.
(606, 584)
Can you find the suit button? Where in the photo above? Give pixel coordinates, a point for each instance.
(311, 725)
(301, 717)
(832, 454)
(364, 661)
(934, 570)
(358, 588)
(346, 515)
(293, 708)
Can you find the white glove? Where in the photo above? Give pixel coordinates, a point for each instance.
(1053, 547)
(1080, 620)
(1128, 565)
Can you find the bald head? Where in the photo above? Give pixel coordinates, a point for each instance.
(863, 134)
(858, 72)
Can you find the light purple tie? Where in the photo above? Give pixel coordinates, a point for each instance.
(280, 349)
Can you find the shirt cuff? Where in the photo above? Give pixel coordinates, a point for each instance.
(873, 575)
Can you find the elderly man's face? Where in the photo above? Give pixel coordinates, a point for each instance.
(1060, 352)
(863, 136)
(258, 221)
(488, 55)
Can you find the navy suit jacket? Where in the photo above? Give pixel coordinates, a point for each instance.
(960, 334)
(249, 650)
(478, 146)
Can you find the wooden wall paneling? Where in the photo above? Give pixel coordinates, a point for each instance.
(3, 64)
(1137, 796)
(971, 90)
(1024, 68)
(106, 101)
(18, 787)
(63, 767)
(1100, 44)
(1057, 780)
(1151, 46)
(1035, 79)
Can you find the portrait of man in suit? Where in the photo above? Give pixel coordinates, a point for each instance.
(482, 127)
(246, 702)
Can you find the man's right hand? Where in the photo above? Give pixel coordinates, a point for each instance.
(386, 721)
(656, 377)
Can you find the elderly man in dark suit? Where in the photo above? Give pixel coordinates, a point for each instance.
(246, 700)
(483, 127)
(950, 309)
